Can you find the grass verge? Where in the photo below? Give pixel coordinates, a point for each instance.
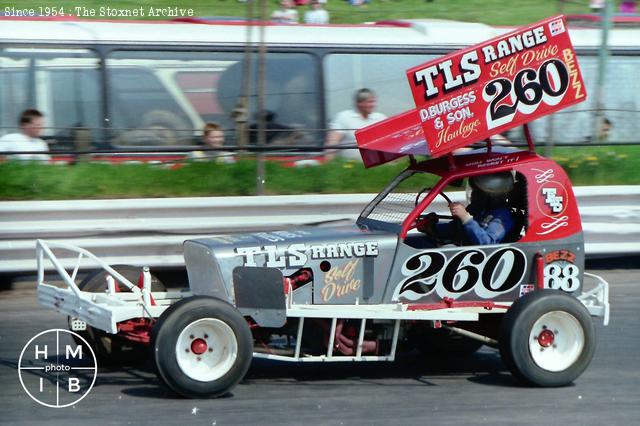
(29, 181)
(494, 12)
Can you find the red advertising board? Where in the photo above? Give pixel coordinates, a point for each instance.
(471, 94)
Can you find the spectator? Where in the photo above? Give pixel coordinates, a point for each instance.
(30, 122)
(596, 5)
(317, 14)
(345, 123)
(213, 137)
(628, 6)
(286, 14)
(604, 130)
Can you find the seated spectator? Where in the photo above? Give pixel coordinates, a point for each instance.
(286, 14)
(317, 14)
(31, 122)
(628, 6)
(213, 137)
(596, 5)
(344, 125)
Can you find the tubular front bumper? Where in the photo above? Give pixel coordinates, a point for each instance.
(596, 300)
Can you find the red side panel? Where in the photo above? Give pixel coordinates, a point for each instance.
(553, 210)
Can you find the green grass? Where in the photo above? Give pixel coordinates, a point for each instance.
(601, 165)
(25, 181)
(496, 12)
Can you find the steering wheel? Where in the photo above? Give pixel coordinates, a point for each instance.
(424, 216)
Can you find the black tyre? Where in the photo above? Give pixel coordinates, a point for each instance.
(438, 343)
(547, 338)
(202, 347)
(112, 349)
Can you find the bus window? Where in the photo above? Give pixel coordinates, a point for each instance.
(14, 92)
(62, 83)
(383, 73)
(145, 105)
(164, 98)
(292, 97)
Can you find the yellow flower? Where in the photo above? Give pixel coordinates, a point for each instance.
(591, 158)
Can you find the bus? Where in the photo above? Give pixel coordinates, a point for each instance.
(130, 84)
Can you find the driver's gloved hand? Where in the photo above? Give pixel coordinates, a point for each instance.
(426, 223)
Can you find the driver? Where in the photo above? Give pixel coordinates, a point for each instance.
(486, 220)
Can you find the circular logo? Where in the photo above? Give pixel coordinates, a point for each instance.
(552, 200)
(55, 370)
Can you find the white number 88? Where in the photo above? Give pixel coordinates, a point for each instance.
(562, 276)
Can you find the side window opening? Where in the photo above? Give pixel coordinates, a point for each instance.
(515, 200)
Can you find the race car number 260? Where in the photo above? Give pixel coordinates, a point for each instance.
(488, 275)
(547, 84)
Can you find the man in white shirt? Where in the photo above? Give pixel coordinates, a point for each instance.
(286, 14)
(344, 125)
(31, 122)
(317, 15)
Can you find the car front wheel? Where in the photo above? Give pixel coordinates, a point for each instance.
(547, 338)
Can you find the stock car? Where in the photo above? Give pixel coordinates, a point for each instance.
(361, 291)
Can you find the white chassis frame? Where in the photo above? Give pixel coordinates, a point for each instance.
(105, 310)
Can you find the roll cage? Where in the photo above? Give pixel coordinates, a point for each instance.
(449, 170)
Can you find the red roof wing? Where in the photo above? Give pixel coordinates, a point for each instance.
(392, 138)
(474, 93)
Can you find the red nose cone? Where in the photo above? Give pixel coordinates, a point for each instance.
(546, 338)
(198, 346)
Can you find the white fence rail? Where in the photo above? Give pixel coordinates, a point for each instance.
(151, 231)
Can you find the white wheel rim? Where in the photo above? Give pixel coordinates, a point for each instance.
(556, 341)
(220, 349)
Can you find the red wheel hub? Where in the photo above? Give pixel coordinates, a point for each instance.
(546, 338)
(198, 346)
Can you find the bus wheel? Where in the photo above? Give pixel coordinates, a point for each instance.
(202, 347)
(547, 338)
(112, 349)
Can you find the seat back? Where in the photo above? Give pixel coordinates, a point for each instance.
(519, 218)
(518, 202)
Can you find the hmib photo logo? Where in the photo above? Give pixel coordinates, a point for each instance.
(54, 372)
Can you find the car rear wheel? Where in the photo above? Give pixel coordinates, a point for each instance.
(202, 347)
(547, 338)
